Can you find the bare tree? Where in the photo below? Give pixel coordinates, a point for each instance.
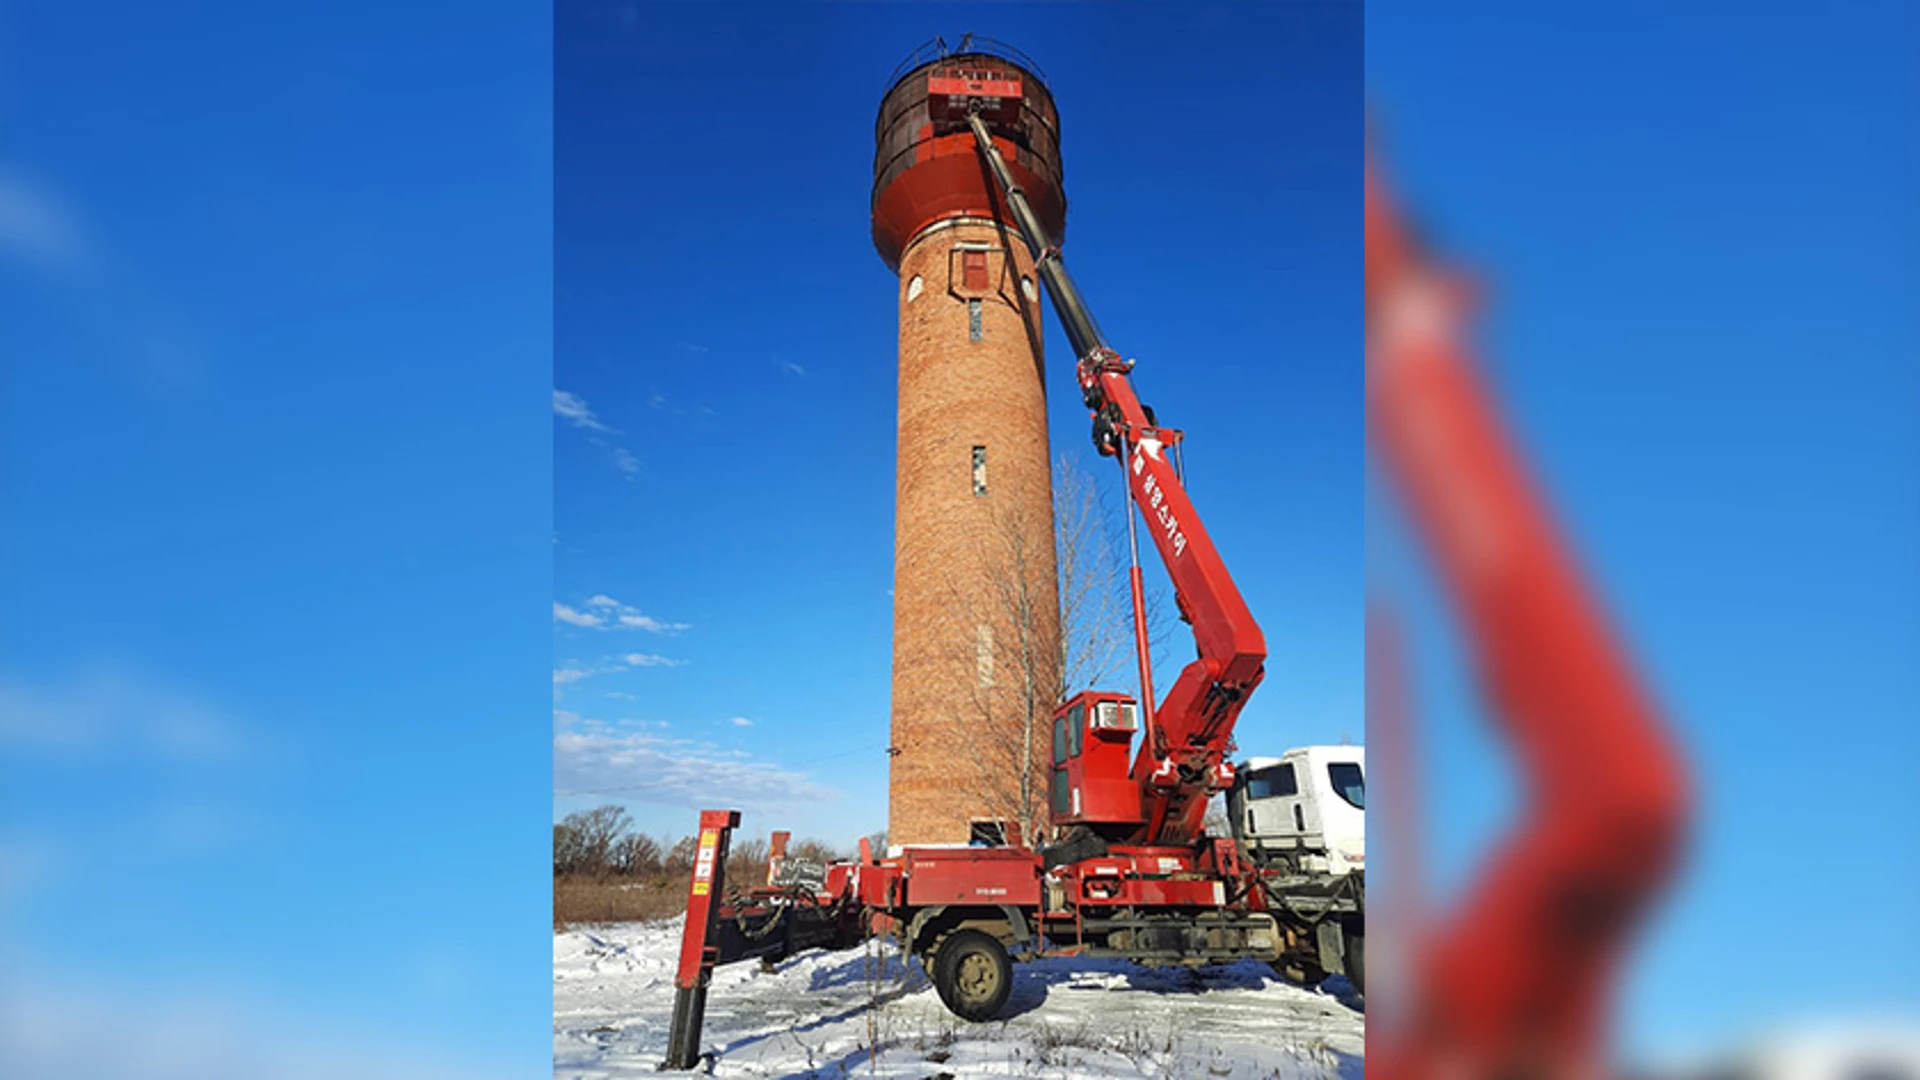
(636, 855)
(679, 860)
(1007, 613)
(747, 864)
(1096, 610)
(566, 848)
(814, 851)
(1006, 620)
(584, 841)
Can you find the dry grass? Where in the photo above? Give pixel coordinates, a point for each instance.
(579, 898)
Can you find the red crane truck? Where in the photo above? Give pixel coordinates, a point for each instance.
(1132, 872)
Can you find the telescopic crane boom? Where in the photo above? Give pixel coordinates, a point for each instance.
(1182, 759)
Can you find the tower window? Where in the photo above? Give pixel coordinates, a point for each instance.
(974, 330)
(979, 470)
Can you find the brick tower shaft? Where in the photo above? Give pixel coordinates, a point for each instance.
(976, 652)
(976, 613)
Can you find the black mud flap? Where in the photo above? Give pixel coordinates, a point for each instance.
(1332, 941)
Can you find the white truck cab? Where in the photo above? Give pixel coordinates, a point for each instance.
(1305, 808)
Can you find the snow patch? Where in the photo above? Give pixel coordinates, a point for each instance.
(823, 1014)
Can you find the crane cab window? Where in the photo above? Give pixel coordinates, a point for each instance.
(1272, 782)
(1076, 719)
(1115, 716)
(1059, 740)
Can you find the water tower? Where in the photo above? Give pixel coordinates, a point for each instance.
(976, 631)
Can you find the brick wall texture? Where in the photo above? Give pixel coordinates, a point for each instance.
(976, 634)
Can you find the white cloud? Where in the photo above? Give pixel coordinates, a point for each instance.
(590, 757)
(573, 409)
(741, 721)
(621, 457)
(570, 407)
(618, 616)
(36, 229)
(565, 614)
(180, 765)
(633, 620)
(51, 1020)
(792, 368)
(574, 671)
(107, 710)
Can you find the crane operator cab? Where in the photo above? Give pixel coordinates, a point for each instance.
(1091, 783)
(1304, 810)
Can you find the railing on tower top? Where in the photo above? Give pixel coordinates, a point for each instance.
(937, 49)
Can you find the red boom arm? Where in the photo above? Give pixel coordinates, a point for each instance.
(1515, 982)
(1181, 760)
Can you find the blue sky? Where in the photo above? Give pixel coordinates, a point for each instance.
(723, 317)
(1697, 230)
(277, 475)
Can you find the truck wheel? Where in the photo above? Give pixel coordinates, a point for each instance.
(1357, 962)
(973, 975)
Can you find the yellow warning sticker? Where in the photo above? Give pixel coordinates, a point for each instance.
(700, 888)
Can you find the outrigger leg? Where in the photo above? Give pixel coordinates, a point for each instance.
(698, 952)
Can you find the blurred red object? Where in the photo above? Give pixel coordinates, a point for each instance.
(1514, 981)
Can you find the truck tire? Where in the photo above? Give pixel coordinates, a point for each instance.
(973, 975)
(1357, 963)
(930, 963)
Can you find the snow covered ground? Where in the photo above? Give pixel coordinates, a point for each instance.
(823, 1014)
